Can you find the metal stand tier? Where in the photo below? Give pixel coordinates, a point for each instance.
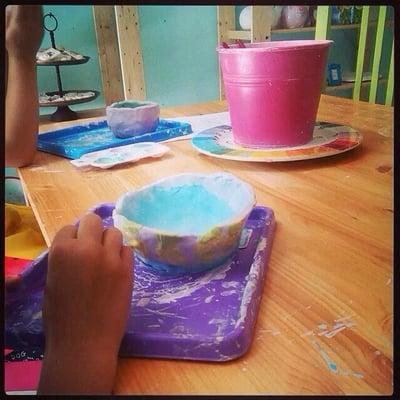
(63, 112)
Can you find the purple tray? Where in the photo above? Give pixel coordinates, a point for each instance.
(204, 316)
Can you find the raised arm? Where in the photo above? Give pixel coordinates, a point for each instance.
(24, 34)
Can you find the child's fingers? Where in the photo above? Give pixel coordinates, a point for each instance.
(9, 12)
(127, 256)
(67, 232)
(90, 228)
(128, 263)
(112, 240)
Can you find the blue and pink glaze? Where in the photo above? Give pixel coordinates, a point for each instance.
(185, 223)
(131, 118)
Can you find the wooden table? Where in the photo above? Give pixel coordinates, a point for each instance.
(325, 324)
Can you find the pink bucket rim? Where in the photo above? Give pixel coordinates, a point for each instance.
(276, 46)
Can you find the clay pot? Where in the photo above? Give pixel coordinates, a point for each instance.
(131, 118)
(185, 223)
(294, 16)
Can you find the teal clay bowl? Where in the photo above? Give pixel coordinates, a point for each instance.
(185, 223)
(131, 118)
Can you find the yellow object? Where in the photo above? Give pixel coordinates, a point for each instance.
(23, 238)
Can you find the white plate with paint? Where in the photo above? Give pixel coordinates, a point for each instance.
(120, 155)
(328, 139)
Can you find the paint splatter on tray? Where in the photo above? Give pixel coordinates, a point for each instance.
(171, 316)
(74, 141)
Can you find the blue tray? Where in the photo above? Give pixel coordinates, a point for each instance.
(75, 141)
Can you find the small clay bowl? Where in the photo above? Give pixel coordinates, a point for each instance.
(130, 118)
(185, 223)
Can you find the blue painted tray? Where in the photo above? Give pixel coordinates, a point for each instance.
(75, 141)
(208, 316)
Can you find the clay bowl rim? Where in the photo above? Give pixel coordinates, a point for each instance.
(141, 105)
(236, 218)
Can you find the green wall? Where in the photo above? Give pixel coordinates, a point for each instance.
(178, 46)
(179, 56)
(75, 32)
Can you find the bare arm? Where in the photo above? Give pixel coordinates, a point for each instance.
(88, 370)
(23, 36)
(86, 306)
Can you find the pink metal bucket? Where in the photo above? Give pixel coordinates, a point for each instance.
(273, 90)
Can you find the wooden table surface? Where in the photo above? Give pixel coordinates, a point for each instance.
(325, 323)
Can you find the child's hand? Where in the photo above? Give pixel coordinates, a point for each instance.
(24, 30)
(88, 290)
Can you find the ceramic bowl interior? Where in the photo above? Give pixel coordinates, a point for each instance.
(130, 104)
(186, 211)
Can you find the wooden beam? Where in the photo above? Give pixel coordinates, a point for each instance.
(130, 52)
(361, 52)
(380, 30)
(243, 35)
(322, 30)
(226, 24)
(107, 43)
(323, 23)
(390, 84)
(261, 23)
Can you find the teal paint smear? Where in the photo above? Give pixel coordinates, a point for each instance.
(331, 365)
(183, 209)
(179, 53)
(110, 159)
(208, 143)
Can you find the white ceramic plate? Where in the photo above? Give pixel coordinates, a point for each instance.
(329, 139)
(120, 155)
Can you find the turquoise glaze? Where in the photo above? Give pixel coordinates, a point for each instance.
(171, 209)
(186, 222)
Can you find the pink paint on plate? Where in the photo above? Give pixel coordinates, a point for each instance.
(273, 90)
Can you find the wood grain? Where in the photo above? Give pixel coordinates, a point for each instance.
(331, 262)
(131, 52)
(107, 43)
(226, 23)
(261, 23)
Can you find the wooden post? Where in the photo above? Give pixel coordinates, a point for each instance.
(322, 29)
(226, 23)
(390, 83)
(323, 22)
(361, 52)
(261, 23)
(377, 54)
(107, 43)
(130, 52)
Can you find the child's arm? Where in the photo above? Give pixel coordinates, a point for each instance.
(86, 305)
(24, 34)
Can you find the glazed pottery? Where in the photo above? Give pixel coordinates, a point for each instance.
(276, 16)
(129, 118)
(245, 18)
(294, 16)
(187, 222)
